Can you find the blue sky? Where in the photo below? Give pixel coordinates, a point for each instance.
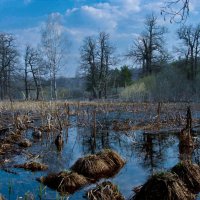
(122, 19)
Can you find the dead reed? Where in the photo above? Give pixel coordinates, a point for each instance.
(32, 166)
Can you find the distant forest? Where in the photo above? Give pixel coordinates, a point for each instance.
(158, 75)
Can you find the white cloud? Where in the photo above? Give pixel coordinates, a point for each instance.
(127, 5)
(154, 6)
(194, 6)
(131, 5)
(30, 36)
(104, 14)
(70, 11)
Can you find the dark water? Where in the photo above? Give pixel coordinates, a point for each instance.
(144, 154)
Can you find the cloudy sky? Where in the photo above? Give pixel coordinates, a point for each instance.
(122, 19)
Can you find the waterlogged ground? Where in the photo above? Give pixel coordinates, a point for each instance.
(145, 153)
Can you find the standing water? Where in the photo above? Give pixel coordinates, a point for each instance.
(144, 153)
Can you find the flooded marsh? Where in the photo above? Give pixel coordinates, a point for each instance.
(147, 138)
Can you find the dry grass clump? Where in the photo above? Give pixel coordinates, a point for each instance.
(190, 174)
(15, 136)
(5, 148)
(105, 191)
(104, 164)
(165, 186)
(121, 126)
(32, 166)
(112, 158)
(91, 166)
(64, 182)
(25, 143)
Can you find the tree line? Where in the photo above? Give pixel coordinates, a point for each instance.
(38, 66)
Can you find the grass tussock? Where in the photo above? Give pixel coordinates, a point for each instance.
(190, 174)
(25, 143)
(165, 186)
(105, 191)
(112, 158)
(101, 165)
(33, 166)
(64, 182)
(91, 166)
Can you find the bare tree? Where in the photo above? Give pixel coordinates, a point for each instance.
(96, 58)
(35, 66)
(8, 60)
(191, 39)
(104, 60)
(54, 44)
(89, 65)
(177, 10)
(148, 49)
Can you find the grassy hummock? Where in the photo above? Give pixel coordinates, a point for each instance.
(64, 182)
(190, 174)
(165, 186)
(105, 191)
(91, 166)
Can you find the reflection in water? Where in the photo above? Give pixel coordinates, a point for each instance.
(93, 140)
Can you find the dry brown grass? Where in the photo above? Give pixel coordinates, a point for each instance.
(1, 197)
(64, 182)
(164, 186)
(104, 164)
(105, 191)
(91, 166)
(112, 158)
(185, 138)
(190, 174)
(32, 166)
(25, 143)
